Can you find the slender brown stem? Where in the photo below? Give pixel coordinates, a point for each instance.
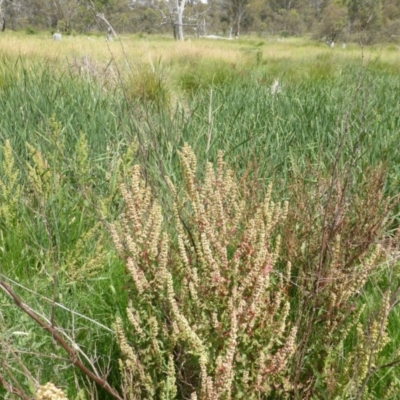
(13, 388)
(71, 353)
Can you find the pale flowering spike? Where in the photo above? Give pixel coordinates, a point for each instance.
(211, 263)
(284, 315)
(211, 393)
(377, 336)
(261, 368)
(135, 188)
(285, 210)
(39, 172)
(146, 200)
(220, 215)
(177, 219)
(248, 282)
(288, 271)
(123, 345)
(239, 208)
(195, 343)
(8, 164)
(256, 299)
(277, 216)
(370, 262)
(199, 255)
(280, 359)
(215, 322)
(228, 373)
(148, 224)
(268, 217)
(222, 256)
(172, 377)
(162, 262)
(191, 157)
(183, 254)
(137, 275)
(250, 234)
(154, 234)
(336, 256)
(267, 197)
(116, 240)
(194, 295)
(131, 209)
(209, 179)
(260, 251)
(220, 166)
(277, 250)
(131, 245)
(134, 321)
(203, 376)
(175, 333)
(245, 379)
(171, 186)
(188, 163)
(153, 324)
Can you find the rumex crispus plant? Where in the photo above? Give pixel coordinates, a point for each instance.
(208, 319)
(336, 235)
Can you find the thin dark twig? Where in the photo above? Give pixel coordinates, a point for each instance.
(60, 340)
(14, 389)
(394, 363)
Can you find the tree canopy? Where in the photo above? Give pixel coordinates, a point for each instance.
(375, 20)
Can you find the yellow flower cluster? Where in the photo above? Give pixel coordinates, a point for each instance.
(10, 189)
(50, 392)
(39, 173)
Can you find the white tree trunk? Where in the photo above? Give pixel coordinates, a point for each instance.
(179, 8)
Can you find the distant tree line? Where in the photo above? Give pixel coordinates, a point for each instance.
(332, 20)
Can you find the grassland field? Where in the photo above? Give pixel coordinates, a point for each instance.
(77, 115)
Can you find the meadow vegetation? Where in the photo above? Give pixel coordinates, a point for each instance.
(198, 220)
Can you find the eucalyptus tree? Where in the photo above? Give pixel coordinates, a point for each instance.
(364, 14)
(10, 12)
(171, 12)
(334, 21)
(176, 14)
(237, 10)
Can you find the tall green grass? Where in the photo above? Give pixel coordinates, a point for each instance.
(306, 123)
(324, 118)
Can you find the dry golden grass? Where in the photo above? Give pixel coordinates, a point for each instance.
(135, 50)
